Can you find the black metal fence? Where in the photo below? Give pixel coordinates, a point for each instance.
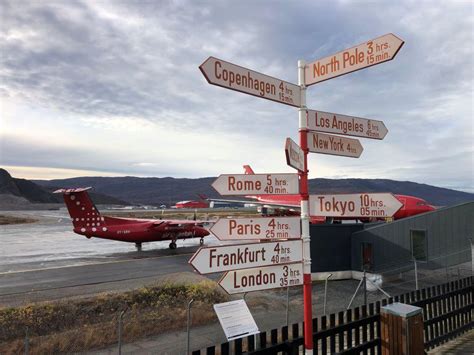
(448, 311)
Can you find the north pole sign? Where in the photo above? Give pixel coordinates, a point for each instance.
(259, 228)
(234, 77)
(328, 122)
(367, 54)
(262, 278)
(370, 205)
(334, 145)
(294, 155)
(208, 260)
(256, 184)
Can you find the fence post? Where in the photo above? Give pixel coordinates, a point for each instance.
(188, 326)
(120, 327)
(326, 292)
(27, 342)
(416, 274)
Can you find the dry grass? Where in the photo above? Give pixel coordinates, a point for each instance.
(90, 324)
(4, 220)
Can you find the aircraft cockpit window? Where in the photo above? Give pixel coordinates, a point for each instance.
(421, 203)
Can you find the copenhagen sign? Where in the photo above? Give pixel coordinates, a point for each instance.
(376, 51)
(208, 260)
(371, 205)
(334, 145)
(257, 184)
(234, 77)
(346, 125)
(257, 228)
(263, 278)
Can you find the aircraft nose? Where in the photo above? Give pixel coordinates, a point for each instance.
(202, 232)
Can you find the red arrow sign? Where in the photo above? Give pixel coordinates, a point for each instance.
(362, 56)
(257, 228)
(262, 278)
(334, 145)
(347, 125)
(256, 184)
(371, 205)
(234, 77)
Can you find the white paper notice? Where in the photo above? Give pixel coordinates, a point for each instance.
(236, 319)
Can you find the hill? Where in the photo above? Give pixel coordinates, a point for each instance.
(157, 191)
(14, 191)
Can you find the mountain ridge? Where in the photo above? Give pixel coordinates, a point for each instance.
(169, 190)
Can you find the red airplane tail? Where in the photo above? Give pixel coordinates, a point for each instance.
(248, 170)
(81, 208)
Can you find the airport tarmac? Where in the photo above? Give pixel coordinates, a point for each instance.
(46, 261)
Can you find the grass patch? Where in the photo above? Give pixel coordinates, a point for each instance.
(92, 323)
(4, 220)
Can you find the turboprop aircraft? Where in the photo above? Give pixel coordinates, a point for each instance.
(290, 204)
(88, 221)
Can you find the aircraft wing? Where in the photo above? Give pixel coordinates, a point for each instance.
(255, 202)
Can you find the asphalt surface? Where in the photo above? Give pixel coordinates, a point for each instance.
(46, 261)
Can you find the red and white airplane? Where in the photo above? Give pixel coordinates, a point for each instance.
(88, 221)
(288, 204)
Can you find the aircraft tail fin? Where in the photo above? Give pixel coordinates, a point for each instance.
(82, 210)
(248, 170)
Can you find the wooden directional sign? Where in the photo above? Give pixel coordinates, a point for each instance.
(294, 155)
(243, 256)
(256, 184)
(364, 55)
(262, 278)
(257, 228)
(334, 145)
(234, 77)
(347, 125)
(370, 205)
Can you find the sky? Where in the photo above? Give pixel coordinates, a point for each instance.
(113, 88)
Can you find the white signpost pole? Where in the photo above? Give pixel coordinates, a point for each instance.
(307, 285)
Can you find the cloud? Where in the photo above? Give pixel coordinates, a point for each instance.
(119, 71)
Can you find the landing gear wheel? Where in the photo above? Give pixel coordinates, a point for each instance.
(138, 246)
(172, 245)
(201, 241)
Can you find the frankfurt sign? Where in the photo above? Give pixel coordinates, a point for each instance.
(370, 205)
(346, 125)
(367, 54)
(334, 145)
(262, 278)
(243, 256)
(258, 228)
(257, 184)
(234, 77)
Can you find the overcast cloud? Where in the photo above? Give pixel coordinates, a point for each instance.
(113, 87)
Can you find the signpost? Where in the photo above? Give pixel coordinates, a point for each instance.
(376, 51)
(261, 255)
(263, 278)
(234, 77)
(346, 125)
(370, 205)
(258, 228)
(257, 184)
(334, 145)
(208, 260)
(294, 155)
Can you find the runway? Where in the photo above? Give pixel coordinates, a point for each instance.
(46, 261)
